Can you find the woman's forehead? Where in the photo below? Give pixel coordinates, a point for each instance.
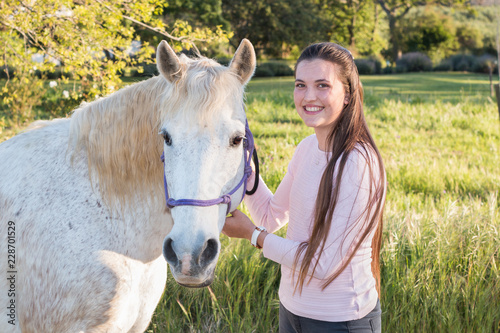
(316, 69)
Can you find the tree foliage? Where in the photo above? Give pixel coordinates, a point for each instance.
(92, 39)
(396, 10)
(275, 26)
(431, 32)
(197, 12)
(355, 25)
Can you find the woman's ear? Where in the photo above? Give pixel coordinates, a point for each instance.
(346, 99)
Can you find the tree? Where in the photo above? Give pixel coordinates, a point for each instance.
(91, 39)
(275, 26)
(354, 24)
(431, 32)
(198, 12)
(345, 15)
(469, 37)
(397, 9)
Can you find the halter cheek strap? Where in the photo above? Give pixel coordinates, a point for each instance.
(248, 152)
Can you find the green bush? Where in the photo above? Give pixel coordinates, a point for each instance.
(267, 69)
(21, 96)
(463, 62)
(463, 66)
(273, 68)
(444, 66)
(388, 70)
(378, 65)
(223, 60)
(484, 63)
(365, 66)
(413, 62)
(58, 102)
(401, 68)
(26, 97)
(468, 63)
(368, 66)
(263, 72)
(144, 70)
(7, 72)
(57, 73)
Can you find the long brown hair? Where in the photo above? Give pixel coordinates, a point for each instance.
(349, 132)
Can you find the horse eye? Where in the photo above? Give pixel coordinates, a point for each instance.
(167, 138)
(236, 141)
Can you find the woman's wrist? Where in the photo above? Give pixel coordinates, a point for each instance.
(260, 239)
(249, 232)
(257, 238)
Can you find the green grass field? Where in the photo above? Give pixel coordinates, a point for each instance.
(439, 135)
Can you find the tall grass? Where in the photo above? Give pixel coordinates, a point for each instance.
(440, 254)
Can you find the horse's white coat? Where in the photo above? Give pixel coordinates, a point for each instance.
(89, 253)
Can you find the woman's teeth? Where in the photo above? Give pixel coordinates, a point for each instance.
(313, 108)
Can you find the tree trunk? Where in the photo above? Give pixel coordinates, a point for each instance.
(352, 37)
(352, 10)
(394, 38)
(374, 31)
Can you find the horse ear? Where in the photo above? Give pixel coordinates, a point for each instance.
(167, 62)
(243, 62)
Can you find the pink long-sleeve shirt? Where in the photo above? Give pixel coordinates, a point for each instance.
(352, 295)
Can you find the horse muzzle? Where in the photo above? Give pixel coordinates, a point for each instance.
(192, 266)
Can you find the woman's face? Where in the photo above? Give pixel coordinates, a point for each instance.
(319, 96)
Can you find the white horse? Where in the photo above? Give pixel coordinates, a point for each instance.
(82, 201)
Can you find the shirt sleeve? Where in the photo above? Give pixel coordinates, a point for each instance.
(348, 221)
(268, 210)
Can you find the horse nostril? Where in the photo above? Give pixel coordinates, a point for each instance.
(169, 253)
(210, 252)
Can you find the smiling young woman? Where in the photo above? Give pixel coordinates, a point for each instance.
(332, 198)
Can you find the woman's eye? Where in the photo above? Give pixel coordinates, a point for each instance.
(236, 141)
(299, 85)
(323, 85)
(167, 138)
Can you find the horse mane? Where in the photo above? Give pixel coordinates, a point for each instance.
(119, 134)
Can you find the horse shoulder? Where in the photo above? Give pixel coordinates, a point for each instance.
(67, 280)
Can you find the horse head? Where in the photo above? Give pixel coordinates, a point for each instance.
(204, 135)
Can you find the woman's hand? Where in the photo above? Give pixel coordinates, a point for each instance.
(238, 226)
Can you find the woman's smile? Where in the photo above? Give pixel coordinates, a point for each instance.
(313, 109)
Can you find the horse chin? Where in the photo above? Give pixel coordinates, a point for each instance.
(204, 284)
(194, 282)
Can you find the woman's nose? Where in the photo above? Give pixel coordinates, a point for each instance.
(309, 95)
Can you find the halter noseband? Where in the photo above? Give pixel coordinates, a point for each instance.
(249, 147)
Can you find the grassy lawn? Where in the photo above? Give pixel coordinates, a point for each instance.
(439, 135)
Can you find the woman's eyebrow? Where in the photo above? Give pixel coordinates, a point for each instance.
(318, 80)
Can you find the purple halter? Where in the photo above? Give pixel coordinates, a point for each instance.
(226, 198)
